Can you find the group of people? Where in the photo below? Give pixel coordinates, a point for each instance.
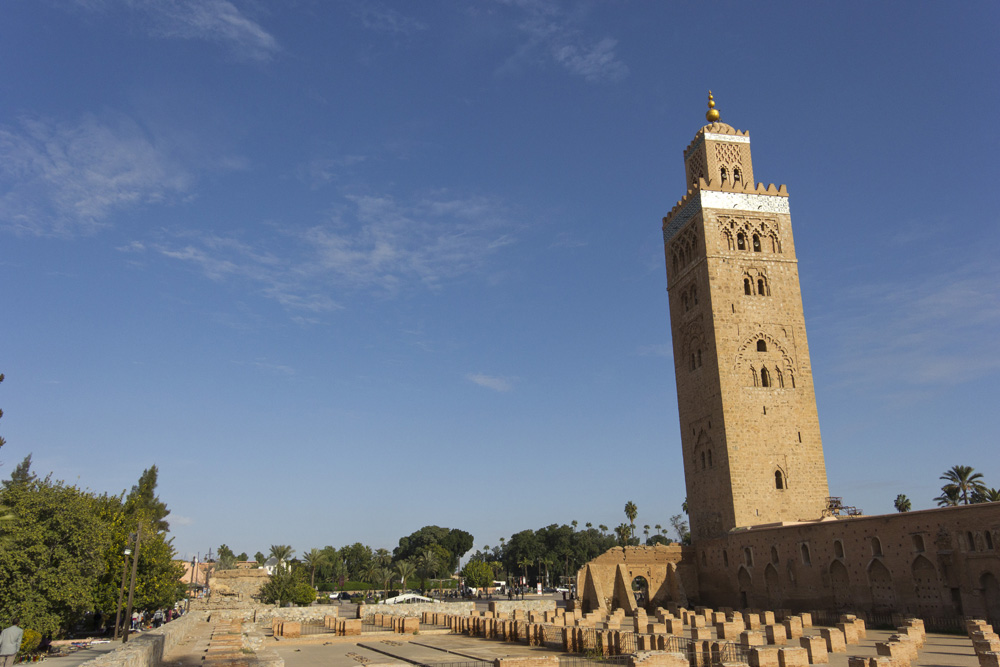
(144, 620)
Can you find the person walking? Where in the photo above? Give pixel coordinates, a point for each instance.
(10, 643)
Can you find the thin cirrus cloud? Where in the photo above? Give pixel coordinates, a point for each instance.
(64, 179)
(550, 32)
(939, 330)
(376, 16)
(490, 382)
(375, 244)
(218, 21)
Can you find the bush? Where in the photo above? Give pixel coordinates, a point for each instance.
(303, 594)
(30, 640)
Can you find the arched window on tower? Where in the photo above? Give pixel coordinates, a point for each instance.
(765, 378)
(741, 241)
(725, 175)
(779, 480)
(699, 358)
(756, 243)
(779, 376)
(760, 287)
(746, 286)
(736, 175)
(762, 345)
(753, 372)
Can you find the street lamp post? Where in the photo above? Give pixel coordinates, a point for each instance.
(131, 586)
(121, 589)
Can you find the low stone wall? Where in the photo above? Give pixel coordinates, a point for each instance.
(238, 583)
(415, 608)
(510, 606)
(147, 649)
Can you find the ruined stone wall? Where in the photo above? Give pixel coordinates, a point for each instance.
(241, 583)
(939, 562)
(606, 582)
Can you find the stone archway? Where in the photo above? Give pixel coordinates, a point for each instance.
(773, 586)
(640, 591)
(840, 581)
(746, 588)
(926, 586)
(882, 589)
(991, 596)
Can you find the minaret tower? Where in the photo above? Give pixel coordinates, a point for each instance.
(749, 428)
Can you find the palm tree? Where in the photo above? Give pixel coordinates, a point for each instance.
(385, 576)
(382, 557)
(987, 496)
(645, 529)
(282, 552)
(659, 529)
(524, 562)
(574, 523)
(589, 525)
(624, 533)
(965, 480)
(405, 569)
(902, 503)
(949, 496)
(603, 529)
(371, 574)
(631, 511)
(314, 558)
(427, 567)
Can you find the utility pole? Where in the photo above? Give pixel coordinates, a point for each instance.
(131, 586)
(121, 589)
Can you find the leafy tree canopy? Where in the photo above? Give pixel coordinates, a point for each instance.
(457, 542)
(477, 574)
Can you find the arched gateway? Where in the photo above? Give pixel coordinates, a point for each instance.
(606, 583)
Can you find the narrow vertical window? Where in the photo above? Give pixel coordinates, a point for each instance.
(699, 358)
(724, 174)
(736, 175)
(765, 378)
(741, 241)
(779, 480)
(760, 287)
(756, 243)
(710, 465)
(746, 286)
(762, 345)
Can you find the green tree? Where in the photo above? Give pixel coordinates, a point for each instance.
(477, 574)
(428, 565)
(986, 495)
(356, 559)
(52, 551)
(313, 559)
(456, 542)
(143, 502)
(287, 586)
(405, 569)
(950, 496)
(902, 503)
(282, 552)
(631, 511)
(680, 527)
(260, 557)
(965, 480)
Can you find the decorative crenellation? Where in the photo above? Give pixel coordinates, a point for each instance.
(718, 132)
(711, 194)
(749, 233)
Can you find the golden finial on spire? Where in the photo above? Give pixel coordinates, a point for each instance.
(712, 115)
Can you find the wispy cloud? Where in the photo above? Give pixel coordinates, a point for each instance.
(219, 21)
(490, 381)
(268, 367)
(178, 520)
(549, 31)
(63, 179)
(940, 329)
(376, 16)
(373, 244)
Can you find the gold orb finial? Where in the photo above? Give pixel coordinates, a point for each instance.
(712, 115)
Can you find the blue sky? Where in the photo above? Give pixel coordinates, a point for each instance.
(342, 269)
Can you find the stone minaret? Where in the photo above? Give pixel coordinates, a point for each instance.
(749, 428)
